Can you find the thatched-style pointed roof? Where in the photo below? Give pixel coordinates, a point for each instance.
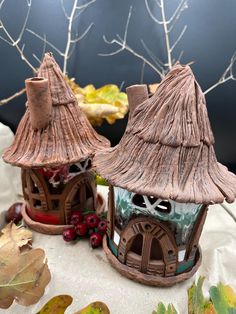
(167, 149)
(56, 134)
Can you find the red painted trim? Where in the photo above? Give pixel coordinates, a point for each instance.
(46, 218)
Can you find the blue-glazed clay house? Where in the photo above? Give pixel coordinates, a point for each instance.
(163, 175)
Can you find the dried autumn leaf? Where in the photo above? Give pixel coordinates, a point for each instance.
(95, 308)
(98, 110)
(153, 87)
(23, 278)
(23, 275)
(56, 305)
(106, 102)
(18, 235)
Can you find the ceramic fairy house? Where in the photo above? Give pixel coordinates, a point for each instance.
(54, 145)
(163, 175)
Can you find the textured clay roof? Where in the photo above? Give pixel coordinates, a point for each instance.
(69, 136)
(167, 149)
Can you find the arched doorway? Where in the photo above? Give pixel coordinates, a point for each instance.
(80, 194)
(148, 246)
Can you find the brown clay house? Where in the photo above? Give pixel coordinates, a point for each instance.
(54, 145)
(163, 175)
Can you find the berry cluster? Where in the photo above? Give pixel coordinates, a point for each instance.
(87, 225)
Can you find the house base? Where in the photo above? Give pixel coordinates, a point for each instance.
(55, 229)
(150, 280)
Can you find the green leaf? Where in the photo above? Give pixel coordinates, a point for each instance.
(101, 181)
(196, 301)
(161, 309)
(223, 298)
(56, 305)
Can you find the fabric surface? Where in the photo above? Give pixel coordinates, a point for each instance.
(87, 276)
(10, 182)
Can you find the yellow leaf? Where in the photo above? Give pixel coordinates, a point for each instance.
(230, 295)
(98, 110)
(153, 87)
(89, 99)
(56, 305)
(95, 308)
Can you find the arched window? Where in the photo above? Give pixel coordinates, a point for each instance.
(151, 204)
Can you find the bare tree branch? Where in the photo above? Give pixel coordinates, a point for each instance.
(122, 43)
(15, 42)
(47, 42)
(154, 58)
(156, 20)
(85, 5)
(142, 73)
(1, 3)
(83, 35)
(158, 3)
(71, 42)
(64, 9)
(226, 76)
(6, 100)
(178, 39)
(181, 7)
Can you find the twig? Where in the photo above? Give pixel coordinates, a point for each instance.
(167, 39)
(122, 43)
(15, 43)
(6, 100)
(182, 6)
(154, 58)
(1, 3)
(226, 76)
(71, 42)
(47, 42)
(178, 39)
(142, 73)
(156, 64)
(66, 53)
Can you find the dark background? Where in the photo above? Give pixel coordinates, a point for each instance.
(209, 41)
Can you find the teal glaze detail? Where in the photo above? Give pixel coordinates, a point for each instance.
(181, 217)
(183, 267)
(113, 247)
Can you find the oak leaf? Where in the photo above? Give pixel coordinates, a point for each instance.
(23, 275)
(18, 235)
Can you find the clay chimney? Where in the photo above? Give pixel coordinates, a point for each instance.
(39, 102)
(136, 95)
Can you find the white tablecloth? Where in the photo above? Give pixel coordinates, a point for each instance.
(86, 275)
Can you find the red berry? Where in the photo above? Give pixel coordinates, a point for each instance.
(102, 226)
(14, 213)
(69, 234)
(76, 218)
(92, 220)
(95, 240)
(81, 229)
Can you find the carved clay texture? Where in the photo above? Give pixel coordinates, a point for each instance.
(67, 139)
(167, 149)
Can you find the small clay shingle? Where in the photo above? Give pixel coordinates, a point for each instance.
(167, 149)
